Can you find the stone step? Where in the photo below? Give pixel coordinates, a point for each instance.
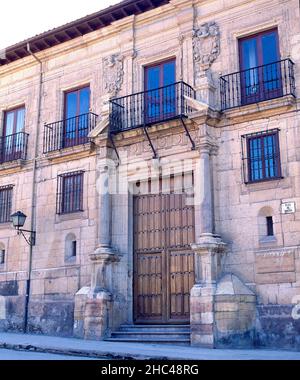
(150, 334)
(153, 334)
(176, 341)
(157, 328)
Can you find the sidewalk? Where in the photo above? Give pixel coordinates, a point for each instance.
(112, 350)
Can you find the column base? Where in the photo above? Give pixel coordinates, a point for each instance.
(202, 316)
(98, 311)
(104, 252)
(209, 241)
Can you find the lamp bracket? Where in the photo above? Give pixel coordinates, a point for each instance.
(31, 239)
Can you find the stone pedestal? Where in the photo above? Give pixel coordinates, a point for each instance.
(97, 318)
(209, 252)
(206, 90)
(102, 265)
(99, 303)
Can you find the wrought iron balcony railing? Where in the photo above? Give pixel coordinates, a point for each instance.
(13, 147)
(150, 107)
(69, 132)
(257, 84)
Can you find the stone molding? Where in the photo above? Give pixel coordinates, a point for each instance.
(105, 255)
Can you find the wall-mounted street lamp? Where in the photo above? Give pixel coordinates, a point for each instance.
(18, 220)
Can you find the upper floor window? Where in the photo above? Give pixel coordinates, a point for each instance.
(14, 141)
(77, 118)
(160, 95)
(5, 203)
(70, 193)
(263, 156)
(260, 67)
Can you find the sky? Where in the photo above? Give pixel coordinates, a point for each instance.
(21, 19)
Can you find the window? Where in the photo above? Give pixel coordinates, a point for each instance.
(70, 193)
(2, 256)
(263, 156)
(160, 97)
(270, 226)
(260, 67)
(13, 139)
(70, 247)
(5, 203)
(74, 248)
(77, 107)
(266, 226)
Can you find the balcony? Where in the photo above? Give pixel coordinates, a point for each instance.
(69, 132)
(150, 107)
(13, 147)
(257, 84)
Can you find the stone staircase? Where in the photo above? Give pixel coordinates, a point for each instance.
(153, 334)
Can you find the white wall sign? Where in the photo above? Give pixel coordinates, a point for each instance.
(288, 208)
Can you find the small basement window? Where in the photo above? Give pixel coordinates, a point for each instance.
(70, 247)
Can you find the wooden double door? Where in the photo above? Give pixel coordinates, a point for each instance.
(163, 260)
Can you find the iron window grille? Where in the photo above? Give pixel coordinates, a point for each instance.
(261, 156)
(5, 203)
(70, 193)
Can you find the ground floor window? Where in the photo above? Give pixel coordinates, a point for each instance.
(261, 156)
(2, 256)
(70, 193)
(5, 203)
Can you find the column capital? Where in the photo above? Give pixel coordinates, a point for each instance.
(105, 164)
(208, 147)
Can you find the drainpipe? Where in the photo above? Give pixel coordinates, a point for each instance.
(33, 190)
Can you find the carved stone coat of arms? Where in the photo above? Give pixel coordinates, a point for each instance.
(113, 73)
(206, 45)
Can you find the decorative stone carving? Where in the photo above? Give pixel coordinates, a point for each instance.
(206, 45)
(113, 73)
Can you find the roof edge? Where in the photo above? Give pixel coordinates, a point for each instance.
(78, 28)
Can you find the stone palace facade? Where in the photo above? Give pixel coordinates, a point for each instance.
(154, 147)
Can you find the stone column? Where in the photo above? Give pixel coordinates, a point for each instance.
(98, 309)
(208, 249)
(205, 194)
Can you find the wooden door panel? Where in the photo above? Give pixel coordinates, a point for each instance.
(182, 278)
(149, 287)
(164, 264)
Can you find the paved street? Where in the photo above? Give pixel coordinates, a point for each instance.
(100, 349)
(22, 355)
